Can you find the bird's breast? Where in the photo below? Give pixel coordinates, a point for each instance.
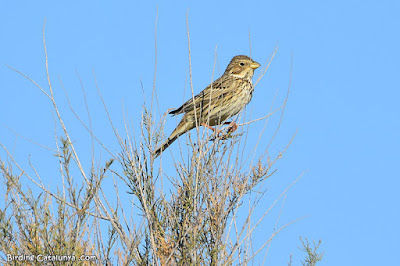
(229, 105)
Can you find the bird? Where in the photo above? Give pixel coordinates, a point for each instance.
(222, 99)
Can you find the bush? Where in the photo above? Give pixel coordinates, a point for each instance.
(191, 221)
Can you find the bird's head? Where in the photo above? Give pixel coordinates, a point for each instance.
(242, 66)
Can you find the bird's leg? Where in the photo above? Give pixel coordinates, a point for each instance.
(217, 131)
(232, 126)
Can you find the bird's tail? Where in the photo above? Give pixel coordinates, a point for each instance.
(182, 128)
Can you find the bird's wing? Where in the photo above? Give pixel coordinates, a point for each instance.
(211, 93)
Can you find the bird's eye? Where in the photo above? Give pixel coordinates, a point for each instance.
(241, 63)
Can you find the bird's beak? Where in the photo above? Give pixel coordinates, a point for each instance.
(255, 65)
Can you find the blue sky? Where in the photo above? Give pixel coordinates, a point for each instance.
(343, 100)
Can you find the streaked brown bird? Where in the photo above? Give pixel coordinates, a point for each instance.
(219, 101)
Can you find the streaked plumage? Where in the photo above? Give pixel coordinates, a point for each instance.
(219, 101)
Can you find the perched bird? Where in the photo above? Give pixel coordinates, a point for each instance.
(219, 101)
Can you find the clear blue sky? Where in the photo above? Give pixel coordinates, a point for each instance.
(343, 102)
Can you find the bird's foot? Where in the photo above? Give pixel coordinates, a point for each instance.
(232, 127)
(219, 134)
